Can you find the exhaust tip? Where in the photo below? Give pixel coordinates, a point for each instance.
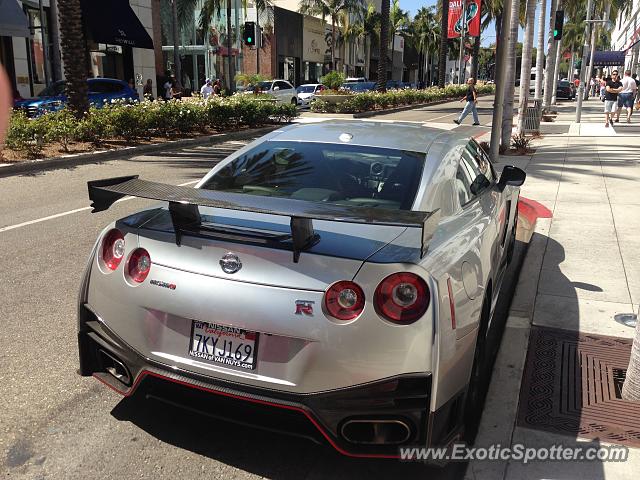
(376, 432)
(114, 367)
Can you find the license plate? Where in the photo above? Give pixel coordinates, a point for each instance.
(223, 345)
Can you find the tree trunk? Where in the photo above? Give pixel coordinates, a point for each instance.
(571, 66)
(73, 49)
(551, 58)
(230, 62)
(525, 68)
(384, 43)
(509, 80)
(540, 51)
(631, 387)
(442, 54)
(474, 58)
(333, 43)
(176, 43)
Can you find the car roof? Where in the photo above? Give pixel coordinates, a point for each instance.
(407, 136)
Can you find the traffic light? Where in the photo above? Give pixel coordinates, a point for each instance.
(557, 29)
(249, 34)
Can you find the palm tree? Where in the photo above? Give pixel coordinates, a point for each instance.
(573, 39)
(423, 34)
(631, 387)
(442, 54)
(540, 52)
(525, 70)
(509, 77)
(491, 12)
(551, 58)
(332, 9)
(398, 19)
(73, 55)
(384, 43)
(371, 26)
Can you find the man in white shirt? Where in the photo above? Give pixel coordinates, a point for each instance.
(207, 89)
(626, 96)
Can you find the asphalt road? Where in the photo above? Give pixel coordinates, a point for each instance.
(56, 424)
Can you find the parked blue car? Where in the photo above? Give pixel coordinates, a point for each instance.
(53, 98)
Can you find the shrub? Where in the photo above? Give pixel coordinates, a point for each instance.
(59, 127)
(333, 80)
(24, 135)
(520, 142)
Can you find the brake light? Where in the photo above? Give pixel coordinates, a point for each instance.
(344, 300)
(113, 248)
(139, 265)
(402, 297)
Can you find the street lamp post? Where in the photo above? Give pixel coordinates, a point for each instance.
(462, 34)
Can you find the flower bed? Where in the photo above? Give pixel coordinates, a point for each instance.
(367, 101)
(127, 124)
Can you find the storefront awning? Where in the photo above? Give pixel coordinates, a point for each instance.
(608, 59)
(115, 23)
(13, 21)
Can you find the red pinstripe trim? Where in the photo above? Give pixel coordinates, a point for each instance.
(144, 373)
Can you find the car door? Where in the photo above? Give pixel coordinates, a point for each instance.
(479, 202)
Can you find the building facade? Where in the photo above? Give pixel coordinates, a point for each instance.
(626, 36)
(118, 37)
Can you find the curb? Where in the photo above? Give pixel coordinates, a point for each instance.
(127, 152)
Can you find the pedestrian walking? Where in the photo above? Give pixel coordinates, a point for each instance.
(176, 91)
(167, 89)
(217, 89)
(614, 86)
(471, 98)
(207, 89)
(147, 90)
(627, 96)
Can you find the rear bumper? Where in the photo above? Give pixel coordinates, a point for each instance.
(399, 403)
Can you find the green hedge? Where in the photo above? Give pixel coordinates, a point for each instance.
(367, 101)
(130, 122)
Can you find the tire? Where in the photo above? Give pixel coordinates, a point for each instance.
(476, 390)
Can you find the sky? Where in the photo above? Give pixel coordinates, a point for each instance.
(488, 35)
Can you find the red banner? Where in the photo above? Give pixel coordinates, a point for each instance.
(472, 18)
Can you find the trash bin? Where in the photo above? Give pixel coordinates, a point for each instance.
(532, 117)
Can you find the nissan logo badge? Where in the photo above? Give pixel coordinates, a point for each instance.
(230, 263)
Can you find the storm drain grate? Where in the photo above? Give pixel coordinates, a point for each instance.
(572, 384)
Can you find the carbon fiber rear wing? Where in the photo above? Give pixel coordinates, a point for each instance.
(184, 202)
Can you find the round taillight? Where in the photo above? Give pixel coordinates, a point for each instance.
(402, 297)
(139, 265)
(113, 248)
(344, 300)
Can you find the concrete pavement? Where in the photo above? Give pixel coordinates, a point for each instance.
(582, 268)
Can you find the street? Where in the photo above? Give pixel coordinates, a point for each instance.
(56, 424)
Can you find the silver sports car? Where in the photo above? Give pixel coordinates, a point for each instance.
(334, 280)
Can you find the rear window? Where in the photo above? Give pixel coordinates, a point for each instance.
(98, 86)
(318, 172)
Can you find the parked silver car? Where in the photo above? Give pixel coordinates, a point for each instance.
(335, 280)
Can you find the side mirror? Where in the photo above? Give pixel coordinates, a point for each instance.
(275, 89)
(512, 176)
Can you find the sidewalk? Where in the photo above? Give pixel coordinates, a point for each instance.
(582, 268)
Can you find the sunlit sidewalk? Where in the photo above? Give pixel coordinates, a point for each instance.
(581, 272)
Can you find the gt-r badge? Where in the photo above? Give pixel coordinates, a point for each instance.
(230, 263)
(304, 307)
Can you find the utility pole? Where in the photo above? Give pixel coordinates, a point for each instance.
(501, 68)
(176, 40)
(583, 66)
(462, 34)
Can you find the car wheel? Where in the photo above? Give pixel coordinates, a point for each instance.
(512, 240)
(477, 387)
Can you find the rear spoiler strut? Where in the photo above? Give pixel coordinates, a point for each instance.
(184, 202)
